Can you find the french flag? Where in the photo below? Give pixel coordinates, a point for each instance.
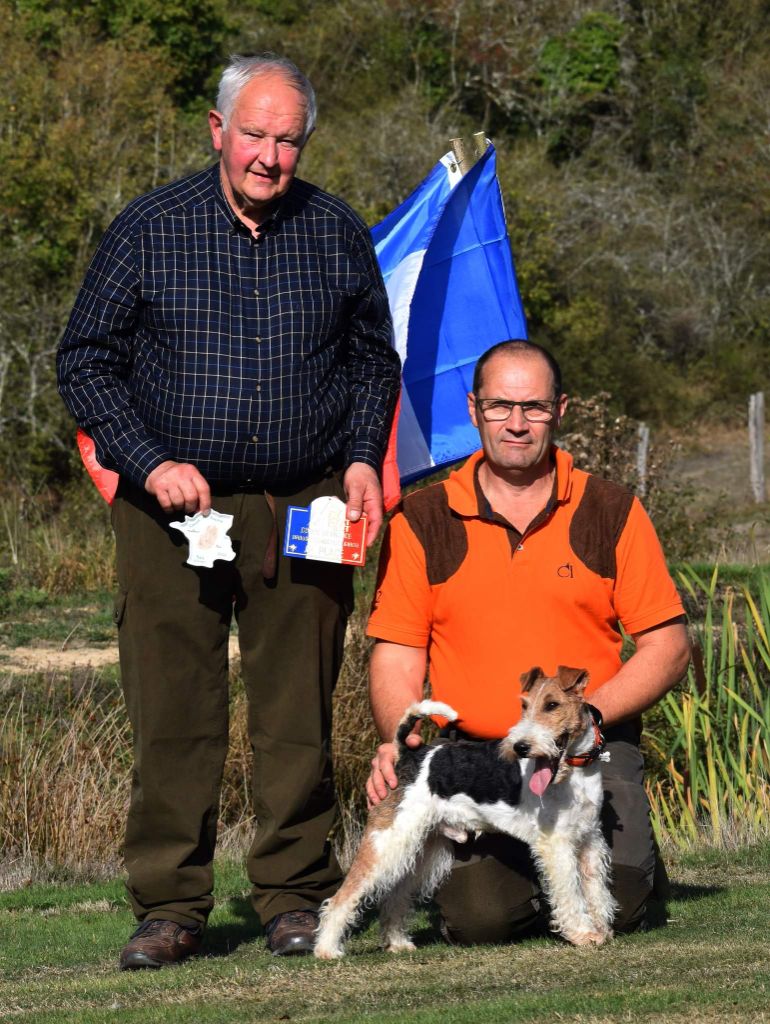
(446, 260)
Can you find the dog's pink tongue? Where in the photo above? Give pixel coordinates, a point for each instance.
(541, 776)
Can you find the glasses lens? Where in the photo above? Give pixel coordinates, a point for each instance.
(495, 410)
(537, 412)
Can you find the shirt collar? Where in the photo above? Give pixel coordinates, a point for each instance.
(464, 498)
(281, 211)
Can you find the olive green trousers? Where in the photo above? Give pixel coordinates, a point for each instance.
(173, 627)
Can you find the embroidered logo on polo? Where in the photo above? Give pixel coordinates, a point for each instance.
(566, 571)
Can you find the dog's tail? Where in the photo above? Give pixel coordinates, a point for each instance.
(415, 712)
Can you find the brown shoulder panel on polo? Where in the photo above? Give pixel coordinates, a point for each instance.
(598, 523)
(439, 530)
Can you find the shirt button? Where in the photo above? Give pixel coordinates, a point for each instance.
(257, 339)
(256, 291)
(255, 438)
(258, 387)
(519, 547)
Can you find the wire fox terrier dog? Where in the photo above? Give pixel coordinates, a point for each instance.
(541, 783)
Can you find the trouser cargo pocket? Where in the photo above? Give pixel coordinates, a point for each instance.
(119, 609)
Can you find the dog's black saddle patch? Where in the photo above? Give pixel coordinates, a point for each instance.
(466, 766)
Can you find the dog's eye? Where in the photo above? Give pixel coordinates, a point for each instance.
(552, 705)
(524, 705)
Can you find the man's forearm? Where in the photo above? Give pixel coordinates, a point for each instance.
(396, 680)
(130, 448)
(374, 369)
(660, 661)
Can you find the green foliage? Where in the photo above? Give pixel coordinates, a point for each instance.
(280, 12)
(668, 43)
(188, 36)
(586, 60)
(579, 71)
(605, 443)
(43, 548)
(631, 141)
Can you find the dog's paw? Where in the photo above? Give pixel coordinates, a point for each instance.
(588, 938)
(328, 953)
(401, 946)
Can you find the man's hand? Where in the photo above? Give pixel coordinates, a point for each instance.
(383, 774)
(363, 493)
(179, 487)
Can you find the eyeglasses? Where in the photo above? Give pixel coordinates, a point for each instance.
(495, 410)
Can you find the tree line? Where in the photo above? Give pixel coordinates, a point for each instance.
(632, 152)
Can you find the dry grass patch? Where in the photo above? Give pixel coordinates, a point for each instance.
(63, 775)
(65, 767)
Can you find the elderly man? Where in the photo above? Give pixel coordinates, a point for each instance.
(517, 560)
(230, 349)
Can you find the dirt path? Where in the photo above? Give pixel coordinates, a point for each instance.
(50, 658)
(714, 462)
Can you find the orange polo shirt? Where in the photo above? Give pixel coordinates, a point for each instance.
(489, 603)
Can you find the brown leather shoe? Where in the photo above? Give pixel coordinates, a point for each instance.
(157, 943)
(292, 933)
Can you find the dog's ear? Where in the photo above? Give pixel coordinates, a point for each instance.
(528, 679)
(573, 679)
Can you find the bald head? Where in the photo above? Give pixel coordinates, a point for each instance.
(523, 350)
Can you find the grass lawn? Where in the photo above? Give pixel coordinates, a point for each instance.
(59, 947)
(32, 616)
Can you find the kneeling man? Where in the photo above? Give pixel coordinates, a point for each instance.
(520, 559)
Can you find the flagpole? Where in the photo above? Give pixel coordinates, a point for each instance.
(468, 149)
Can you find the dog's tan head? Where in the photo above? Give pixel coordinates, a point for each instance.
(562, 693)
(553, 715)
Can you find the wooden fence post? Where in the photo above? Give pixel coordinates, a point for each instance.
(642, 449)
(757, 445)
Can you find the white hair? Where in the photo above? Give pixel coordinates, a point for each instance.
(241, 70)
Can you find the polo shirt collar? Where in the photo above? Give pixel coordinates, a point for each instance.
(461, 483)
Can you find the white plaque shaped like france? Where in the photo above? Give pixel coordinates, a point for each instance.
(207, 537)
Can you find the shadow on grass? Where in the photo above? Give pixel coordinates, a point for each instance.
(658, 910)
(224, 939)
(688, 893)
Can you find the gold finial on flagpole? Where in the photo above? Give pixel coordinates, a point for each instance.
(468, 149)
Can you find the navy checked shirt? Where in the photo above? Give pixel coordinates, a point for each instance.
(257, 360)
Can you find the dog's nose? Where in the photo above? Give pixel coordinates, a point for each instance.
(521, 748)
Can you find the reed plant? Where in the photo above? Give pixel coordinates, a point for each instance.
(714, 743)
